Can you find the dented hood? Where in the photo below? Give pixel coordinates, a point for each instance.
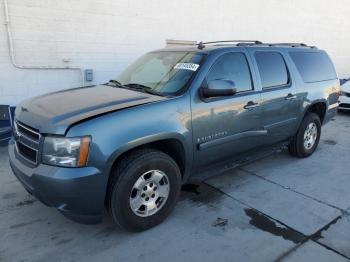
(53, 113)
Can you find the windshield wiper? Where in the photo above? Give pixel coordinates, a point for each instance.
(135, 86)
(115, 82)
(143, 88)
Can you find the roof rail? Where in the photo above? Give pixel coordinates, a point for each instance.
(234, 41)
(201, 44)
(278, 44)
(290, 44)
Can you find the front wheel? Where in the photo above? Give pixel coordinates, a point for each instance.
(144, 189)
(305, 142)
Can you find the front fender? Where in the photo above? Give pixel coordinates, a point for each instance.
(118, 132)
(147, 140)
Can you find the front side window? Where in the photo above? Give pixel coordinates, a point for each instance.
(165, 72)
(233, 67)
(272, 69)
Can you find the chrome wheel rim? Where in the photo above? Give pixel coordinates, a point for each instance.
(149, 193)
(310, 136)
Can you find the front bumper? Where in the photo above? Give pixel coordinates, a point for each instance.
(344, 102)
(78, 193)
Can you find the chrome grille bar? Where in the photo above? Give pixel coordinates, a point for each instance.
(27, 132)
(27, 142)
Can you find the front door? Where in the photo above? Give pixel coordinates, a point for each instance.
(225, 126)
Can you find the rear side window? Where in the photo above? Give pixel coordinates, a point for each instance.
(272, 69)
(234, 67)
(313, 66)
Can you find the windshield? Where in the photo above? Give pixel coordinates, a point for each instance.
(163, 72)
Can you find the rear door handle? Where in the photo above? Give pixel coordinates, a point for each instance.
(290, 97)
(250, 105)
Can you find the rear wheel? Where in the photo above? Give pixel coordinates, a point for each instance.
(306, 140)
(144, 189)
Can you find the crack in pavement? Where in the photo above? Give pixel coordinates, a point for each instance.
(252, 208)
(343, 211)
(314, 237)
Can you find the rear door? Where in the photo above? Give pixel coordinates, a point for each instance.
(280, 102)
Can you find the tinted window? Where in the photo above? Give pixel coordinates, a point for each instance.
(234, 67)
(313, 66)
(272, 69)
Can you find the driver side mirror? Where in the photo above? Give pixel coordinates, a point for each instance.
(219, 87)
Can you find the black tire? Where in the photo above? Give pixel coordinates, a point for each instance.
(126, 173)
(296, 146)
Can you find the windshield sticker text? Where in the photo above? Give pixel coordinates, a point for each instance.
(187, 66)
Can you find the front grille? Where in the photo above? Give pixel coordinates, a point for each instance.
(27, 142)
(29, 153)
(31, 134)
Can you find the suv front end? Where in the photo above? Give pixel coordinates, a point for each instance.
(65, 144)
(55, 170)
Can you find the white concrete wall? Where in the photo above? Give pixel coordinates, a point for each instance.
(105, 35)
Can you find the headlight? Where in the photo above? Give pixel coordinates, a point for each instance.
(68, 152)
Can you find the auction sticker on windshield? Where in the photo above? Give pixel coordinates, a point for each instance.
(187, 66)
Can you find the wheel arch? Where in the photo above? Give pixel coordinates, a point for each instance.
(173, 145)
(318, 107)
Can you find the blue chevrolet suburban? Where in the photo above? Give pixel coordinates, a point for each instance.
(175, 115)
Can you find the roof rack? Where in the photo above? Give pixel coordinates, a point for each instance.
(278, 44)
(201, 44)
(290, 44)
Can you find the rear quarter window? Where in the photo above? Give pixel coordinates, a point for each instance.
(313, 66)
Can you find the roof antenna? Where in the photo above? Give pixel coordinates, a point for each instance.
(201, 45)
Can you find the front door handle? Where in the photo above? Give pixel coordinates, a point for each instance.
(250, 105)
(290, 97)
